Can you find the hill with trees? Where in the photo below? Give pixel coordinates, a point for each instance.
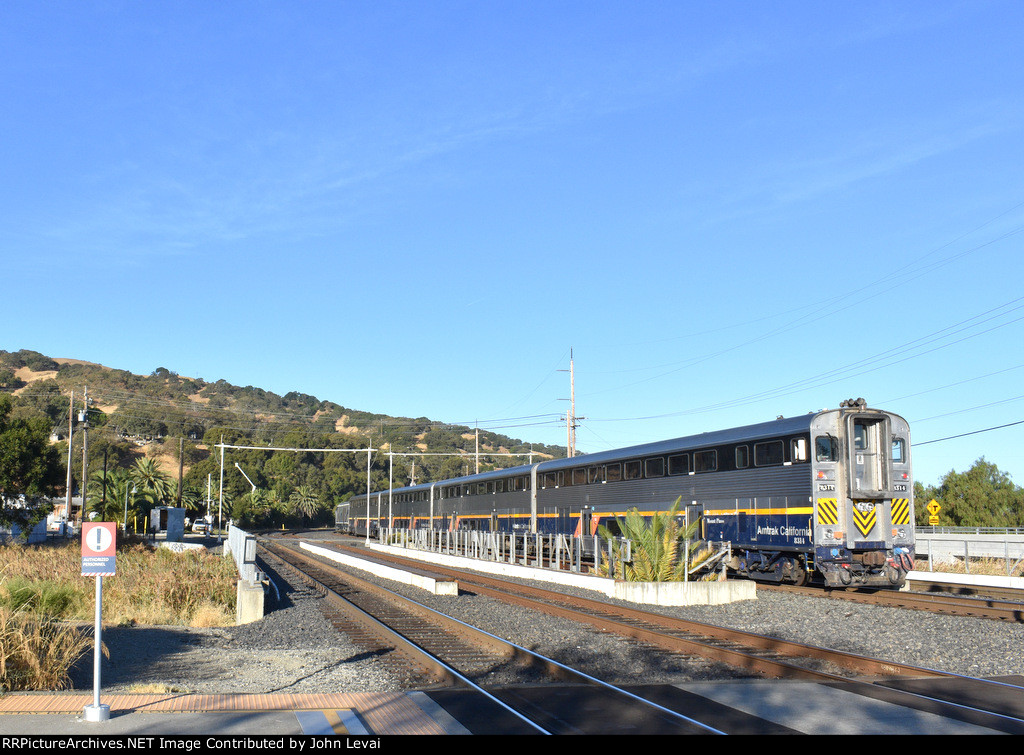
(146, 431)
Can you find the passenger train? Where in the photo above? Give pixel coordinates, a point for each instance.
(826, 496)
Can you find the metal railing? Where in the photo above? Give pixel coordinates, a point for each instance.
(242, 547)
(970, 543)
(543, 551)
(942, 530)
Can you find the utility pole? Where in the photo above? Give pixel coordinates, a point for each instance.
(71, 430)
(571, 420)
(181, 465)
(84, 419)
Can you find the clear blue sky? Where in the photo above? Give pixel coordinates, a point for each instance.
(728, 211)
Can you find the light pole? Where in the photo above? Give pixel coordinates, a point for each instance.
(246, 477)
(126, 506)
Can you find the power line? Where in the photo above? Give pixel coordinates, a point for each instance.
(974, 432)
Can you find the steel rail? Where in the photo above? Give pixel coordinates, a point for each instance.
(876, 689)
(951, 605)
(553, 667)
(407, 647)
(651, 627)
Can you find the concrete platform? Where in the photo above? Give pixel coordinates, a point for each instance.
(740, 707)
(367, 714)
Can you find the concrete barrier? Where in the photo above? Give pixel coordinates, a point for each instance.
(251, 590)
(249, 602)
(684, 593)
(435, 586)
(648, 593)
(976, 581)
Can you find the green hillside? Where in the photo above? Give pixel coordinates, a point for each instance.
(175, 423)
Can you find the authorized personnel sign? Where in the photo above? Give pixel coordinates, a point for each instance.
(98, 545)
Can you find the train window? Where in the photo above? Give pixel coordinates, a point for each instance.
(613, 472)
(797, 449)
(899, 450)
(549, 480)
(767, 454)
(742, 457)
(579, 476)
(654, 467)
(632, 470)
(825, 448)
(679, 464)
(499, 486)
(705, 461)
(490, 487)
(595, 475)
(860, 436)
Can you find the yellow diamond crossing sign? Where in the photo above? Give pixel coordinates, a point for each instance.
(934, 507)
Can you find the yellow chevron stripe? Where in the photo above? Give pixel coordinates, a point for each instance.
(865, 521)
(828, 511)
(901, 511)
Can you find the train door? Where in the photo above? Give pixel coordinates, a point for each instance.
(868, 462)
(869, 476)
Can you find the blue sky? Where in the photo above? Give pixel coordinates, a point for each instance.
(727, 211)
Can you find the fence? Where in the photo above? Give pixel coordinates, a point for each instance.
(949, 543)
(552, 551)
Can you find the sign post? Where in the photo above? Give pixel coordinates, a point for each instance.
(99, 540)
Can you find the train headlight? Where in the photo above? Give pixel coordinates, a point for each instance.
(901, 533)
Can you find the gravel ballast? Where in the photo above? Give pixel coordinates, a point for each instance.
(295, 649)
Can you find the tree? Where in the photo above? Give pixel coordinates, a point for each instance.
(30, 468)
(982, 496)
(151, 479)
(304, 502)
(121, 490)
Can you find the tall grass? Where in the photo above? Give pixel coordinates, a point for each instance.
(46, 606)
(37, 651)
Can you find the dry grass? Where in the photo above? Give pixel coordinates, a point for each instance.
(36, 651)
(44, 601)
(990, 567)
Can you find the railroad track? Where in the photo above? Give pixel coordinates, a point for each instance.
(953, 605)
(996, 705)
(450, 654)
(757, 654)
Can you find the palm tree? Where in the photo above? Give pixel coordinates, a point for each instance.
(656, 544)
(150, 478)
(258, 504)
(121, 492)
(304, 502)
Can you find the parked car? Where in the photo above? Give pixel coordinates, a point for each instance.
(201, 527)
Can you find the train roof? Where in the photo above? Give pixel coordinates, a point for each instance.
(780, 427)
(775, 428)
